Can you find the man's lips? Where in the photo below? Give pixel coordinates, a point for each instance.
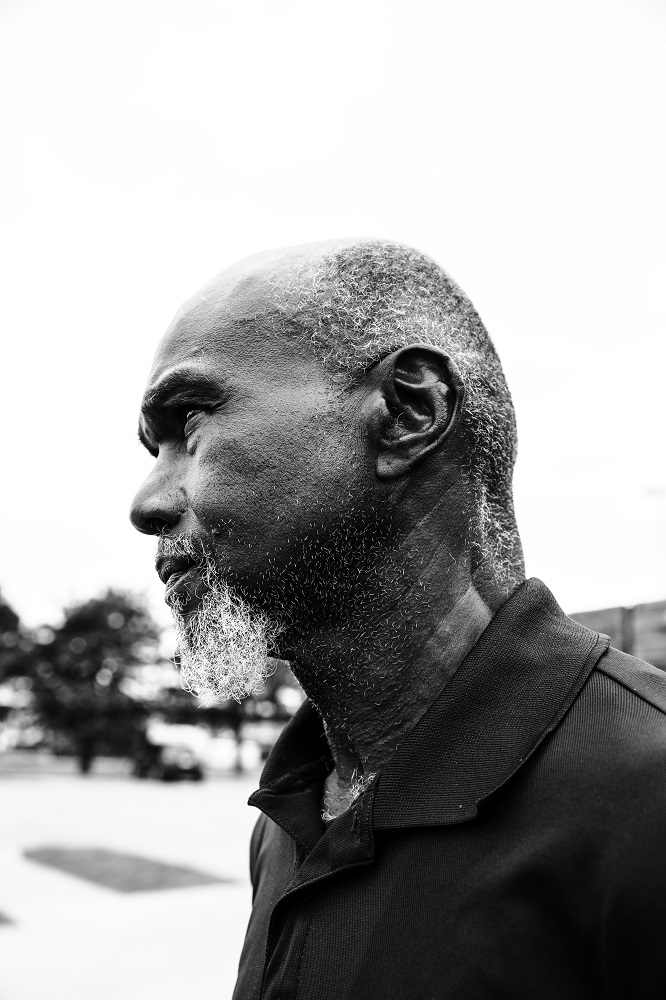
(176, 573)
(168, 566)
(182, 581)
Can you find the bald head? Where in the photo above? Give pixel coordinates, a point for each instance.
(356, 301)
(345, 305)
(257, 285)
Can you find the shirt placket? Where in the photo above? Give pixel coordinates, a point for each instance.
(346, 844)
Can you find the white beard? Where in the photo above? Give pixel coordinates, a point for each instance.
(223, 646)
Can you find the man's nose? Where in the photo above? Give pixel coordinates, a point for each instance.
(157, 506)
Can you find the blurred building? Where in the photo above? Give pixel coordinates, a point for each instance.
(640, 630)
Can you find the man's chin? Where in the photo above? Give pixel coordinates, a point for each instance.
(223, 642)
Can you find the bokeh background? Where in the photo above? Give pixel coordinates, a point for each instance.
(148, 144)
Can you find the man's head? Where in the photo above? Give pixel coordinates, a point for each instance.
(310, 411)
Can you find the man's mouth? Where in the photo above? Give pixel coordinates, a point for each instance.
(174, 571)
(180, 583)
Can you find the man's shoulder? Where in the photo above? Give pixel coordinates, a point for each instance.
(599, 775)
(623, 704)
(615, 730)
(642, 682)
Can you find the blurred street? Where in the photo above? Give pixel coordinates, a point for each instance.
(64, 938)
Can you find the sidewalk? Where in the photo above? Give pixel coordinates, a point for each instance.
(69, 939)
(40, 762)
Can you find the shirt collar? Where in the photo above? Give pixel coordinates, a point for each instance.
(512, 689)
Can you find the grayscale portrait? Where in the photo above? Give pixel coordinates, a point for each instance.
(332, 590)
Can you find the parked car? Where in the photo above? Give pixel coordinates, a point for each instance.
(169, 753)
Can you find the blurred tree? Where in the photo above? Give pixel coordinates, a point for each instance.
(15, 646)
(78, 673)
(8, 617)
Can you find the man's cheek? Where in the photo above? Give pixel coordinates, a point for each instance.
(232, 504)
(245, 461)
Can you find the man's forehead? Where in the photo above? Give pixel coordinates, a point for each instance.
(213, 324)
(252, 282)
(220, 317)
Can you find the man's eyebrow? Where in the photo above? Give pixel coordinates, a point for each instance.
(181, 380)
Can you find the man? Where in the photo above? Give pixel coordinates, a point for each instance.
(471, 802)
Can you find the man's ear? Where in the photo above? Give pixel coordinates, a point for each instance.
(414, 405)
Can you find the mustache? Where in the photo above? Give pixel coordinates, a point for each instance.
(185, 546)
(175, 556)
(182, 551)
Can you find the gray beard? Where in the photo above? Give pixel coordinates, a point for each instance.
(320, 598)
(223, 644)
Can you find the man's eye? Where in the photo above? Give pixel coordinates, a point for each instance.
(189, 421)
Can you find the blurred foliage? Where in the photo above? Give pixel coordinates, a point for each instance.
(9, 620)
(78, 670)
(15, 644)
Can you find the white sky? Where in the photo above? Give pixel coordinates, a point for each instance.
(147, 144)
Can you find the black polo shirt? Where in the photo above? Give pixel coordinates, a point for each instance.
(513, 847)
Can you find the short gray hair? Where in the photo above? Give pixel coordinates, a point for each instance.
(361, 301)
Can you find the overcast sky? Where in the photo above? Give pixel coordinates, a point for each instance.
(147, 144)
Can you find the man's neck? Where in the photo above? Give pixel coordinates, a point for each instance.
(371, 694)
(379, 727)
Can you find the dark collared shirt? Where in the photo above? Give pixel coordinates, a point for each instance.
(513, 847)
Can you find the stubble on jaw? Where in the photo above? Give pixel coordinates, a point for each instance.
(316, 603)
(326, 603)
